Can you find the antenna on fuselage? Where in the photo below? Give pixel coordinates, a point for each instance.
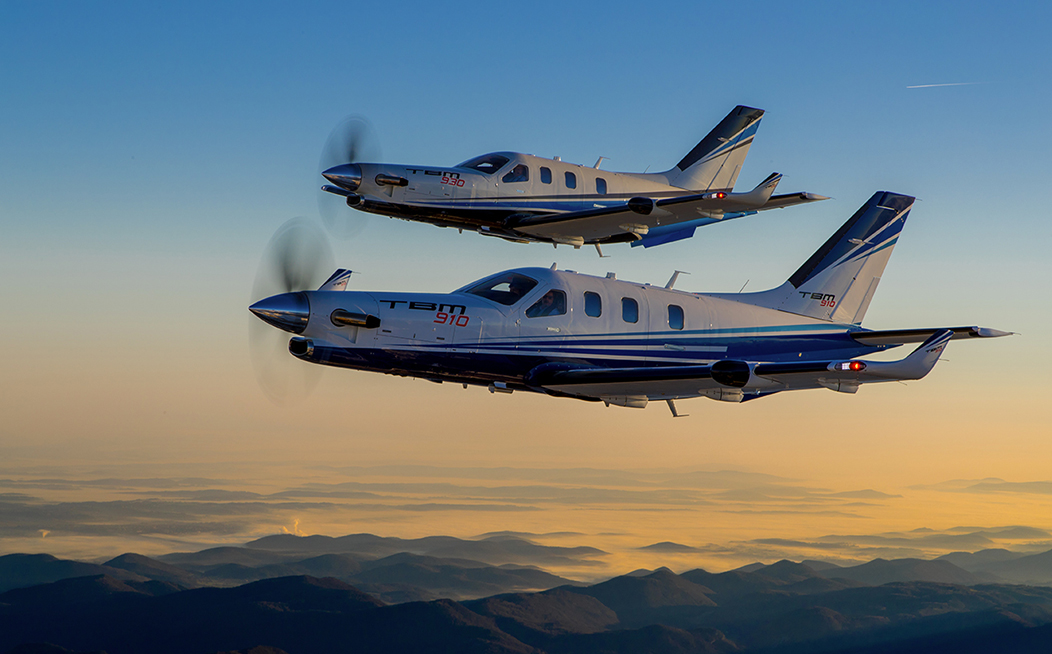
(598, 161)
(675, 413)
(675, 276)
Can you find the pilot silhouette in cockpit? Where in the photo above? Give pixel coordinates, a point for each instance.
(552, 304)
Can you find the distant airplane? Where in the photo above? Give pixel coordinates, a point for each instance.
(523, 198)
(625, 343)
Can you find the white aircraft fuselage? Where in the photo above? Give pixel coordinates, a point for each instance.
(524, 198)
(595, 338)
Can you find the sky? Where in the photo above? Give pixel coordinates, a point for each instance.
(148, 154)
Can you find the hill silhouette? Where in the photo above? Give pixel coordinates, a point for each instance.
(881, 571)
(288, 595)
(20, 570)
(660, 612)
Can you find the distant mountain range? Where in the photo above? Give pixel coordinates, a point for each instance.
(295, 595)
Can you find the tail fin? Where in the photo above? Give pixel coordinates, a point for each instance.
(714, 163)
(838, 281)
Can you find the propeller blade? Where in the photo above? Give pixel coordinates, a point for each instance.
(353, 140)
(298, 257)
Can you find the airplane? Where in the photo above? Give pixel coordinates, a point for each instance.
(523, 198)
(625, 343)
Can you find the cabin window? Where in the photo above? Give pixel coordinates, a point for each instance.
(600, 186)
(629, 310)
(553, 303)
(519, 173)
(675, 316)
(487, 163)
(546, 175)
(506, 289)
(571, 180)
(593, 304)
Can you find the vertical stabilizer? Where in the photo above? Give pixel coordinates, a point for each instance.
(714, 163)
(838, 282)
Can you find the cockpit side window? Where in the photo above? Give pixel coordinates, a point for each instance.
(520, 173)
(487, 163)
(553, 303)
(506, 289)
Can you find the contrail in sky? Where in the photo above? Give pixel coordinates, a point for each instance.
(928, 86)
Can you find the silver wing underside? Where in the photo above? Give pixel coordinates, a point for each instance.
(742, 380)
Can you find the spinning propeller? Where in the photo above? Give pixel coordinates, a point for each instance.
(297, 258)
(352, 141)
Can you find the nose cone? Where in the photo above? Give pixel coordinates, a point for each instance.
(288, 311)
(346, 176)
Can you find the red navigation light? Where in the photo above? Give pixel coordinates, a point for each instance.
(720, 195)
(853, 366)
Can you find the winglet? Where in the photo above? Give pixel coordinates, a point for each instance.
(918, 364)
(763, 191)
(337, 281)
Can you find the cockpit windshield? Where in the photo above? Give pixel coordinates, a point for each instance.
(506, 288)
(487, 163)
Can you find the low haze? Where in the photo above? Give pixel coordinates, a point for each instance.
(148, 155)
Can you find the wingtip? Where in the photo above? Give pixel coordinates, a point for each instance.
(988, 332)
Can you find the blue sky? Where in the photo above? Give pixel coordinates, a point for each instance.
(147, 155)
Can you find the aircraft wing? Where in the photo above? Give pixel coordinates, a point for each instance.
(791, 199)
(634, 219)
(902, 336)
(740, 380)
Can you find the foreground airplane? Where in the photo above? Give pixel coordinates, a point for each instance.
(523, 198)
(573, 335)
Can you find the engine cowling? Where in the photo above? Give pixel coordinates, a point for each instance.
(734, 374)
